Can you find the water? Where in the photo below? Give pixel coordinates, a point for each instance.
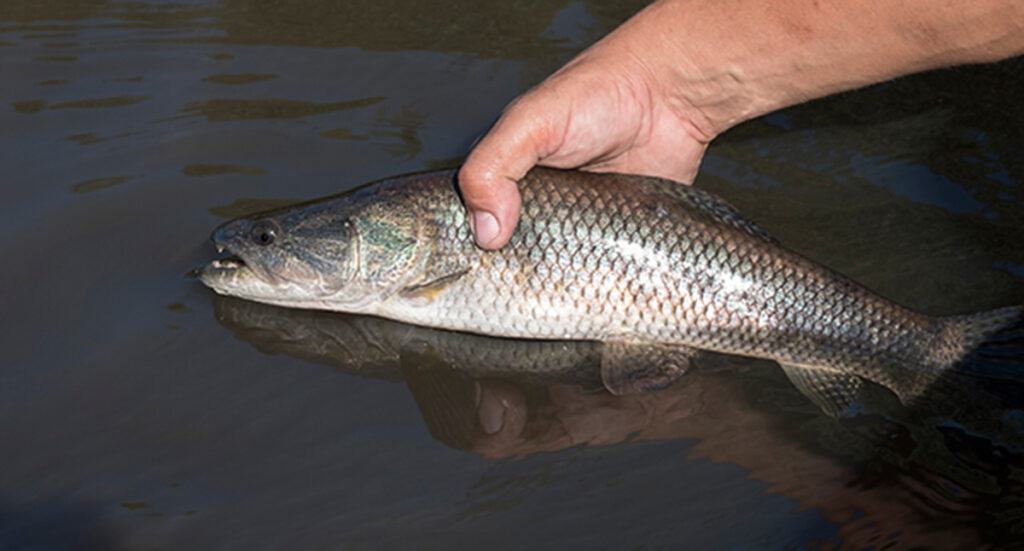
(138, 412)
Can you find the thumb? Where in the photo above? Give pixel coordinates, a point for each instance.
(488, 179)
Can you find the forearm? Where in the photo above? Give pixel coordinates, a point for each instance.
(648, 98)
(727, 61)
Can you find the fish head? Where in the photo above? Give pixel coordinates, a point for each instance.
(289, 257)
(339, 255)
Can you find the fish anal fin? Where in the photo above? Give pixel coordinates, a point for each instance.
(835, 392)
(427, 291)
(630, 367)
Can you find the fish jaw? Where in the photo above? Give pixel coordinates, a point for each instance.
(253, 273)
(233, 277)
(236, 276)
(243, 276)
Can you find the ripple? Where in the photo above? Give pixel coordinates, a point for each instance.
(244, 78)
(213, 170)
(221, 110)
(35, 106)
(119, 101)
(245, 207)
(97, 184)
(29, 107)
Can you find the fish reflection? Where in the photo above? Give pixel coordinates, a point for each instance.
(947, 473)
(376, 347)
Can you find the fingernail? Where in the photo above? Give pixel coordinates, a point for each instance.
(485, 227)
(490, 412)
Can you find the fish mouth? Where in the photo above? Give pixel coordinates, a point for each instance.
(229, 263)
(222, 274)
(221, 270)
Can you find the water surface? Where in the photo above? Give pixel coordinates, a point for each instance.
(138, 412)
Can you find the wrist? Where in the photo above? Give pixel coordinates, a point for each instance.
(700, 61)
(723, 62)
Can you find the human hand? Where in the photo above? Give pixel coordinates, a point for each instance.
(607, 110)
(649, 97)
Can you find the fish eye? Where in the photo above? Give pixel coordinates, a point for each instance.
(263, 233)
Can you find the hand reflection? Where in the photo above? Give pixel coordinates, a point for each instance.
(507, 419)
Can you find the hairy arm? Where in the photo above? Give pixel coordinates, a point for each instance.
(649, 97)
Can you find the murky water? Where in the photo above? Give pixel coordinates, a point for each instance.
(138, 411)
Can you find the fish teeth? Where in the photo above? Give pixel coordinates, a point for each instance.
(225, 264)
(220, 248)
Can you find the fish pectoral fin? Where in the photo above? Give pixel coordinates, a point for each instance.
(629, 367)
(429, 289)
(831, 390)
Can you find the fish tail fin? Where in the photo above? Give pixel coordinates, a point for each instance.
(989, 344)
(956, 352)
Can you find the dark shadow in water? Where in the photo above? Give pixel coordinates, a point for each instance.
(962, 99)
(530, 31)
(953, 131)
(941, 474)
(56, 526)
(501, 30)
(921, 170)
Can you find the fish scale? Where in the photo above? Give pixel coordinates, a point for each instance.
(610, 258)
(642, 263)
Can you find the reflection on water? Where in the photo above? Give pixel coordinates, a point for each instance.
(245, 78)
(96, 184)
(131, 418)
(214, 170)
(220, 110)
(931, 472)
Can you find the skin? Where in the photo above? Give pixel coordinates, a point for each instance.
(650, 96)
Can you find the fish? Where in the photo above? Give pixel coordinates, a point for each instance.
(374, 347)
(511, 398)
(653, 269)
(438, 364)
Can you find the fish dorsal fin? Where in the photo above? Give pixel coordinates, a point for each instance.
(833, 391)
(712, 206)
(428, 290)
(629, 367)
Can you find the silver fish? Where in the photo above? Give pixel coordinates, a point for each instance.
(653, 269)
(370, 346)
